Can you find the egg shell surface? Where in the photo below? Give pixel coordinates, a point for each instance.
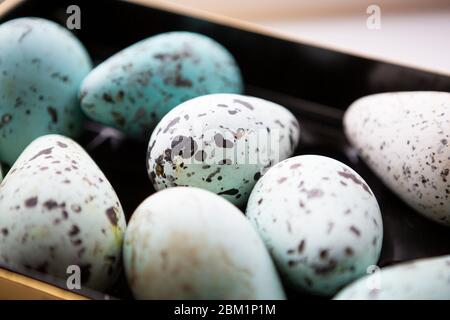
(57, 210)
(41, 67)
(188, 243)
(222, 143)
(319, 220)
(404, 138)
(422, 279)
(136, 87)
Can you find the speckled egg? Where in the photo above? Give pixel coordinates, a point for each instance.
(423, 279)
(222, 143)
(188, 243)
(404, 138)
(320, 221)
(135, 88)
(57, 210)
(41, 67)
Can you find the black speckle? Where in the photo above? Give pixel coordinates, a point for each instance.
(53, 114)
(108, 98)
(230, 192)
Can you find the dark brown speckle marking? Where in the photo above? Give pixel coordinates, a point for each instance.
(74, 231)
(301, 246)
(112, 216)
(348, 175)
(355, 231)
(50, 204)
(42, 152)
(31, 202)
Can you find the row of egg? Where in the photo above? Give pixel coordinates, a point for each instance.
(46, 75)
(318, 218)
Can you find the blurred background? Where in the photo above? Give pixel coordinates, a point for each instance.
(415, 32)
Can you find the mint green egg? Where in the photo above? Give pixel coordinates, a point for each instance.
(136, 87)
(41, 67)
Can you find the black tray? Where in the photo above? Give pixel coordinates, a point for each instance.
(316, 84)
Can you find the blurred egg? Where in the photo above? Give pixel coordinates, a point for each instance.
(404, 138)
(222, 143)
(41, 67)
(423, 279)
(188, 243)
(58, 210)
(136, 87)
(319, 220)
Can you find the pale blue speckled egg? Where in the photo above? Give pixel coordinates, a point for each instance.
(41, 67)
(136, 87)
(320, 221)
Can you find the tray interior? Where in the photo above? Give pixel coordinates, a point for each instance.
(316, 84)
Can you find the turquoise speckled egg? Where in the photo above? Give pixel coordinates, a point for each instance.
(136, 87)
(41, 67)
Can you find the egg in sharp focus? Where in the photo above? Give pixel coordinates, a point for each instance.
(136, 87)
(422, 279)
(404, 138)
(41, 67)
(320, 221)
(222, 143)
(188, 243)
(57, 210)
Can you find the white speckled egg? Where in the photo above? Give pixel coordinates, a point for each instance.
(222, 143)
(423, 279)
(58, 209)
(41, 67)
(320, 221)
(404, 138)
(188, 243)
